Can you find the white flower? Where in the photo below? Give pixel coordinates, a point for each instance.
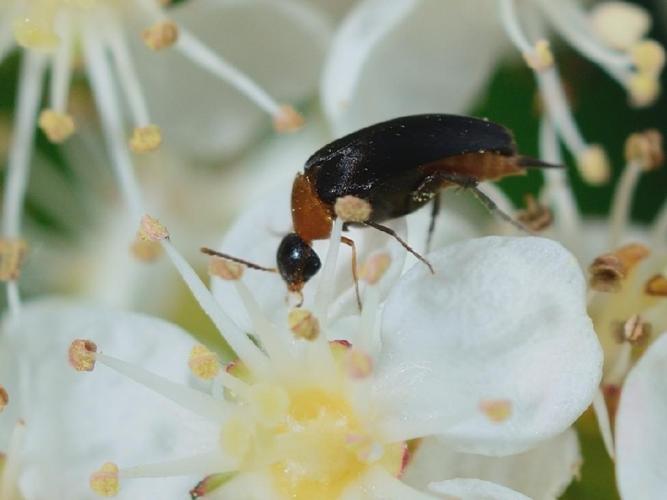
(450, 359)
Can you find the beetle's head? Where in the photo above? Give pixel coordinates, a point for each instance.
(297, 261)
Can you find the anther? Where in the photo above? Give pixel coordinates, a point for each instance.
(58, 127)
(105, 481)
(657, 286)
(209, 484)
(82, 355)
(12, 255)
(633, 331)
(303, 323)
(352, 209)
(225, 269)
(535, 216)
(541, 57)
(4, 398)
(144, 250)
(594, 165)
(648, 56)
(375, 267)
(145, 139)
(608, 271)
(287, 119)
(644, 88)
(150, 229)
(645, 149)
(204, 363)
(161, 35)
(620, 25)
(496, 410)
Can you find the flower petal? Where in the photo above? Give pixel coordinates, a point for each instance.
(395, 58)
(77, 421)
(494, 352)
(542, 473)
(641, 442)
(475, 489)
(280, 45)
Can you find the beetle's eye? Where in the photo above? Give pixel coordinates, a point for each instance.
(297, 261)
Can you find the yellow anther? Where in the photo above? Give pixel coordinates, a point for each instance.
(225, 269)
(150, 229)
(12, 255)
(535, 216)
(648, 56)
(620, 25)
(357, 363)
(375, 267)
(35, 34)
(81, 355)
(594, 165)
(541, 57)
(645, 149)
(496, 410)
(145, 139)
(236, 437)
(105, 481)
(634, 330)
(145, 251)
(57, 126)
(608, 271)
(643, 88)
(4, 398)
(204, 363)
(657, 286)
(161, 35)
(269, 403)
(352, 209)
(287, 119)
(303, 324)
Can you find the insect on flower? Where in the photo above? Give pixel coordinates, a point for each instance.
(386, 171)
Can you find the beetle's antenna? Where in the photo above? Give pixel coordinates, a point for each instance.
(251, 265)
(528, 162)
(393, 233)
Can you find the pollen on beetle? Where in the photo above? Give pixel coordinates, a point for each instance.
(375, 267)
(161, 35)
(303, 323)
(105, 481)
(645, 149)
(620, 25)
(287, 119)
(12, 255)
(82, 355)
(150, 229)
(352, 209)
(144, 250)
(58, 127)
(594, 165)
(4, 398)
(145, 139)
(648, 56)
(204, 363)
(541, 57)
(357, 364)
(225, 269)
(535, 216)
(635, 330)
(496, 410)
(609, 270)
(657, 286)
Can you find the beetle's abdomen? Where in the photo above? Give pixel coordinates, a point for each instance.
(482, 166)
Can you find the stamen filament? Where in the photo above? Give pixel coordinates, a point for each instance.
(325, 288)
(621, 205)
(659, 232)
(197, 402)
(62, 69)
(7, 40)
(367, 341)
(201, 464)
(248, 352)
(512, 28)
(604, 423)
(11, 470)
(232, 383)
(621, 365)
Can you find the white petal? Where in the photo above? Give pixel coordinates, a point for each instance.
(409, 56)
(542, 473)
(502, 320)
(280, 45)
(475, 489)
(641, 441)
(77, 421)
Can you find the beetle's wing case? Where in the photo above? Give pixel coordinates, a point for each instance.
(367, 163)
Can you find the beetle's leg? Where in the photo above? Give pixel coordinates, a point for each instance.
(429, 189)
(350, 242)
(393, 233)
(471, 183)
(435, 211)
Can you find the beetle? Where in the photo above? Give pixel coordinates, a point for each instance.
(397, 166)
